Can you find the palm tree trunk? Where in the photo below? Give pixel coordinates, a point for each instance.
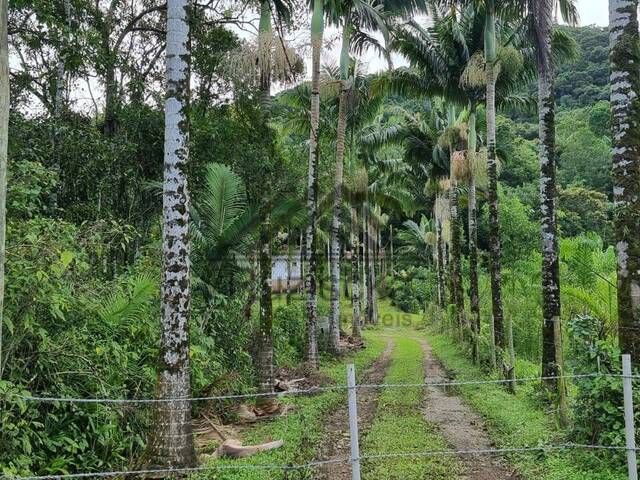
(251, 295)
(456, 257)
(473, 238)
(372, 310)
(365, 266)
(355, 273)
(625, 89)
(265, 346)
(317, 27)
(4, 142)
(345, 275)
(58, 108)
(289, 260)
(495, 248)
(550, 261)
(171, 443)
(391, 264)
(265, 352)
(440, 265)
(303, 257)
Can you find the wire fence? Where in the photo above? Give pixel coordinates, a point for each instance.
(356, 458)
(312, 390)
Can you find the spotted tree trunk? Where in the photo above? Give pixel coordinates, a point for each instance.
(171, 441)
(265, 346)
(625, 88)
(546, 154)
(58, 107)
(372, 292)
(317, 27)
(495, 247)
(355, 275)
(440, 265)
(457, 297)
(4, 142)
(473, 236)
(334, 321)
(289, 260)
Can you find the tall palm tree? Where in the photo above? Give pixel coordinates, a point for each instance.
(543, 13)
(4, 142)
(171, 443)
(495, 248)
(473, 231)
(317, 29)
(265, 345)
(625, 89)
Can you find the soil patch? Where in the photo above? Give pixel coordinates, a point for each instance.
(463, 428)
(336, 443)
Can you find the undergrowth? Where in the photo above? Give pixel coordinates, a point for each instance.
(301, 429)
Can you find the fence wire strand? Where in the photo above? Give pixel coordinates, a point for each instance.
(309, 391)
(169, 471)
(366, 457)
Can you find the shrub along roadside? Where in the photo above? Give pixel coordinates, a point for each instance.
(399, 425)
(301, 429)
(516, 421)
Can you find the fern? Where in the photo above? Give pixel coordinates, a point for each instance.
(128, 304)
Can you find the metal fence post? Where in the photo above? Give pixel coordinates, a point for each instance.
(353, 422)
(629, 428)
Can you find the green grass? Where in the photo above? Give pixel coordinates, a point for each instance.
(302, 429)
(399, 425)
(517, 421)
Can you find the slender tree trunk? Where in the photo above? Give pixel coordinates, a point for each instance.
(625, 89)
(365, 266)
(440, 265)
(4, 142)
(355, 271)
(303, 261)
(265, 354)
(473, 238)
(289, 260)
(251, 296)
(550, 260)
(317, 27)
(391, 264)
(456, 258)
(58, 107)
(495, 248)
(372, 307)
(171, 443)
(345, 275)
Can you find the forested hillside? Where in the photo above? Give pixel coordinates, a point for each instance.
(585, 81)
(208, 217)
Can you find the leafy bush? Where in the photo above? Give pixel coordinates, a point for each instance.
(413, 289)
(289, 332)
(598, 410)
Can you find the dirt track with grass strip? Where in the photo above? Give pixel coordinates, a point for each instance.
(336, 442)
(462, 427)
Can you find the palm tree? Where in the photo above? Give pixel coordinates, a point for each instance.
(473, 231)
(171, 444)
(543, 13)
(265, 346)
(418, 239)
(4, 141)
(495, 248)
(317, 29)
(625, 61)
